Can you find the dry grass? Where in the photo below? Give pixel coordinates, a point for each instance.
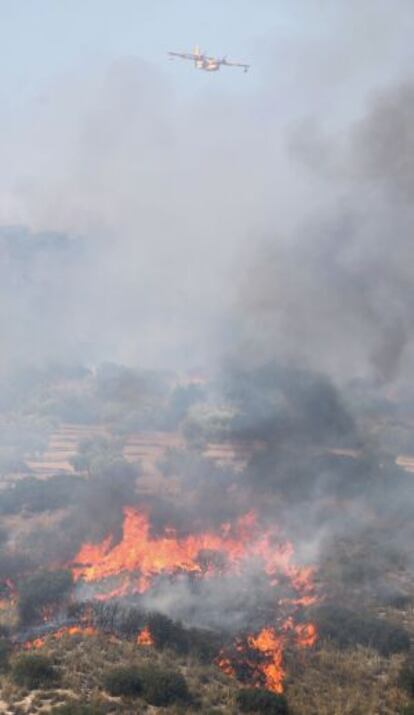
(324, 682)
(346, 682)
(82, 663)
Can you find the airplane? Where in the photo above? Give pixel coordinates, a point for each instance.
(206, 63)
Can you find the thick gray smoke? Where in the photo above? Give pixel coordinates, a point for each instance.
(338, 294)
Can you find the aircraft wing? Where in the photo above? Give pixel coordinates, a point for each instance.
(184, 55)
(236, 64)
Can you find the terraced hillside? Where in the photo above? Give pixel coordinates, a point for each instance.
(147, 448)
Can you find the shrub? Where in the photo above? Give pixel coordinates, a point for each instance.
(5, 651)
(261, 701)
(163, 687)
(167, 633)
(76, 709)
(4, 631)
(204, 645)
(408, 710)
(348, 628)
(407, 678)
(44, 589)
(34, 671)
(123, 681)
(131, 622)
(395, 598)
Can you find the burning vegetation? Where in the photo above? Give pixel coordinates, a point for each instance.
(139, 559)
(180, 553)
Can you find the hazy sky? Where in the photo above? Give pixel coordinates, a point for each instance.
(42, 39)
(173, 177)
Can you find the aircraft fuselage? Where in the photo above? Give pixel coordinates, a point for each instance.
(207, 65)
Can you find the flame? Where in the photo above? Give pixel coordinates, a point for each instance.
(139, 552)
(86, 631)
(271, 646)
(306, 635)
(139, 557)
(226, 666)
(35, 644)
(144, 637)
(259, 658)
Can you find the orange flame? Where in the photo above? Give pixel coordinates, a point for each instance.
(35, 644)
(306, 635)
(144, 637)
(139, 557)
(86, 631)
(261, 655)
(271, 646)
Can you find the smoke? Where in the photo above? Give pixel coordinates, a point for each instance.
(263, 233)
(167, 197)
(337, 295)
(230, 603)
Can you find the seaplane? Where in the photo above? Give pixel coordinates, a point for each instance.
(205, 62)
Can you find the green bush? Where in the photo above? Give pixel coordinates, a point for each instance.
(348, 629)
(408, 710)
(34, 671)
(123, 681)
(5, 651)
(261, 701)
(163, 687)
(45, 589)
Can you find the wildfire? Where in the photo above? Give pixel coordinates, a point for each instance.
(144, 637)
(139, 557)
(140, 553)
(271, 646)
(35, 644)
(86, 631)
(258, 659)
(306, 635)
